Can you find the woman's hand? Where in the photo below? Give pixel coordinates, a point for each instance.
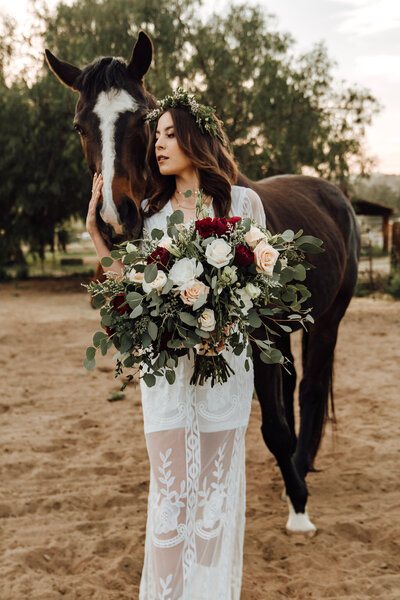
(91, 224)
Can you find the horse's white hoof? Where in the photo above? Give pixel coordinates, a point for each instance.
(299, 523)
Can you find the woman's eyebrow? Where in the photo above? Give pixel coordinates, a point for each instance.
(166, 129)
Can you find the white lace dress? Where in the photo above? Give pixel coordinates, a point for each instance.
(195, 440)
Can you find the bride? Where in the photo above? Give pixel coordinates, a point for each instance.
(195, 435)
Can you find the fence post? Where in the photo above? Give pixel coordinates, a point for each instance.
(395, 252)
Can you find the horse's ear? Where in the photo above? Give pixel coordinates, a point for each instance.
(141, 56)
(65, 72)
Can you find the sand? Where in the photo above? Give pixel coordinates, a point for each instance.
(74, 470)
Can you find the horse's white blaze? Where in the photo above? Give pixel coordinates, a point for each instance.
(299, 522)
(108, 107)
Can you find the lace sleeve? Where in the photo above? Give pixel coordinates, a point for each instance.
(254, 206)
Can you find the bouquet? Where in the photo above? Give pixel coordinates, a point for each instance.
(201, 288)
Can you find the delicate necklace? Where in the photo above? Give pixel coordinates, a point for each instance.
(182, 205)
(194, 192)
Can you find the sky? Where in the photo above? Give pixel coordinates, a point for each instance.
(362, 36)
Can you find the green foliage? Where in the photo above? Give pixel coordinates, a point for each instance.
(281, 113)
(393, 287)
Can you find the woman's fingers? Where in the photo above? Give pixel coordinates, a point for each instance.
(96, 193)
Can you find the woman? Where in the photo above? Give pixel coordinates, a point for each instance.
(194, 434)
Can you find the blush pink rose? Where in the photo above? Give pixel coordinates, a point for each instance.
(253, 236)
(193, 291)
(265, 257)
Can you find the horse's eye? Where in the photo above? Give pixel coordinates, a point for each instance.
(79, 129)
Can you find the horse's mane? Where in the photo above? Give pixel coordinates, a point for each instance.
(101, 75)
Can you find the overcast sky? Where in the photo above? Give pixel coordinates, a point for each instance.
(363, 36)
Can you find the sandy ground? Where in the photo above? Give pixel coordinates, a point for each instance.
(74, 468)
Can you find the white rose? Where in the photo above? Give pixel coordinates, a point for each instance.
(245, 298)
(253, 236)
(252, 290)
(218, 253)
(207, 320)
(184, 272)
(228, 275)
(135, 276)
(265, 257)
(131, 247)
(157, 284)
(165, 242)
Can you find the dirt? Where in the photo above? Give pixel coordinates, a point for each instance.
(74, 469)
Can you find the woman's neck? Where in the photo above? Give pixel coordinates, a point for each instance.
(187, 181)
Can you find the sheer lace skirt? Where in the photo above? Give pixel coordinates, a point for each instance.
(196, 505)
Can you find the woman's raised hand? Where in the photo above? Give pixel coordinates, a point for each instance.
(91, 224)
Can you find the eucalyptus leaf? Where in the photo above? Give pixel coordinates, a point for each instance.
(98, 301)
(188, 318)
(146, 340)
(150, 272)
(157, 234)
(152, 330)
(167, 287)
(90, 353)
(149, 379)
(288, 235)
(285, 328)
(133, 297)
(97, 337)
(177, 217)
(129, 362)
(107, 261)
(170, 376)
(200, 301)
(125, 343)
(202, 334)
(89, 364)
(299, 272)
(104, 346)
(136, 312)
(174, 343)
(253, 318)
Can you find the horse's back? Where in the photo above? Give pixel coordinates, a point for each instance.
(320, 209)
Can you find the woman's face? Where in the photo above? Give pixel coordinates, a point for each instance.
(171, 159)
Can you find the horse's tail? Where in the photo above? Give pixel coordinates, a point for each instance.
(325, 408)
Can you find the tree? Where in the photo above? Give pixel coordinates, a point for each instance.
(281, 113)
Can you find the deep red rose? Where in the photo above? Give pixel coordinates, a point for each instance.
(205, 227)
(220, 226)
(234, 220)
(243, 256)
(118, 300)
(109, 331)
(160, 256)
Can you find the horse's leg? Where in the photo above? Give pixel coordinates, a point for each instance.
(318, 356)
(277, 436)
(288, 386)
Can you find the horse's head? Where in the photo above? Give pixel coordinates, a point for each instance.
(109, 118)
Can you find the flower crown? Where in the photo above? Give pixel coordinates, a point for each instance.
(180, 98)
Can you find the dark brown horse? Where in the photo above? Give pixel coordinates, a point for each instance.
(111, 103)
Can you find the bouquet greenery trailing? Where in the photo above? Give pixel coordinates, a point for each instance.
(202, 287)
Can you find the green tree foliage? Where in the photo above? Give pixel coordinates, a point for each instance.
(281, 113)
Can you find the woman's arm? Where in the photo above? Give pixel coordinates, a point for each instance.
(93, 231)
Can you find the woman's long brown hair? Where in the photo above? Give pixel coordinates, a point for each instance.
(215, 164)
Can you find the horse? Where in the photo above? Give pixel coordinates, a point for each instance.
(112, 101)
